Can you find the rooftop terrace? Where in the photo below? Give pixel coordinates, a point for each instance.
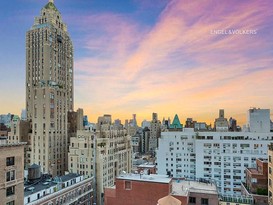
(146, 178)
(183, 187)
(45, 182)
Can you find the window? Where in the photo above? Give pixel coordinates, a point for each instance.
(254, 180)
(204, 201)
(10, 191)
(192, 200)
(128, 185)
(11, 203)
(10, 175)
(10, 161)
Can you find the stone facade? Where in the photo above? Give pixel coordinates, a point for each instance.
(107, 151)
(49, 89)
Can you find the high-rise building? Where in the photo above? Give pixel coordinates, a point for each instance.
(154, 133)
(134, 121)
(258, 120)
(221, 123)
(6, 119)
(49, 88)
(145, 123)
(24, 115)
(85, 120)
(211, 155)
(104, 154)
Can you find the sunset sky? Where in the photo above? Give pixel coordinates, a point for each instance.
(144, 56)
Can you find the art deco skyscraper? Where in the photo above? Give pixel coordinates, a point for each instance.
(49, 88)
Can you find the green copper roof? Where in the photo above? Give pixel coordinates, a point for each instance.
(15, 118)
(176, 123)
(51, 5)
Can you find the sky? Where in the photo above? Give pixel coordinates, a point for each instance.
(183, 57)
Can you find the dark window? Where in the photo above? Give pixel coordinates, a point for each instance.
(11, 203)
(10, 191)
(204, 201)
(10, 161)
(128, 185)
(192, 200)
(10, 175)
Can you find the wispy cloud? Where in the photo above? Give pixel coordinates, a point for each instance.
(177, 65)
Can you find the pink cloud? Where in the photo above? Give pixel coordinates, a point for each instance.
(178, 62)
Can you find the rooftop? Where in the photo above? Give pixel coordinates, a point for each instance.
(146, 165)
(182, 187)
(12, 144)
(176, 123)
(146, 178)
(46, 182)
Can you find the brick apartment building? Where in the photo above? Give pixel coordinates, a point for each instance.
(11, 173)
(135, 189)
(257, 182)
(270, 173)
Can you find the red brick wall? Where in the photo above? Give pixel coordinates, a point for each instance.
(183, 199)
(141, 192)
(263, 167)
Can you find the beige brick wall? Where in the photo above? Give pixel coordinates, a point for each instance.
(16, 151)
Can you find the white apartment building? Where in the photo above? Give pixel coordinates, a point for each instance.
(258, 120)
(219, 156)
(107, 151)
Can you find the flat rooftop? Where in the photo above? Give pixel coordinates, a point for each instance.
(146, 166)
(45, 183)
(12, 144)
(183, 187)
(146, 178)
